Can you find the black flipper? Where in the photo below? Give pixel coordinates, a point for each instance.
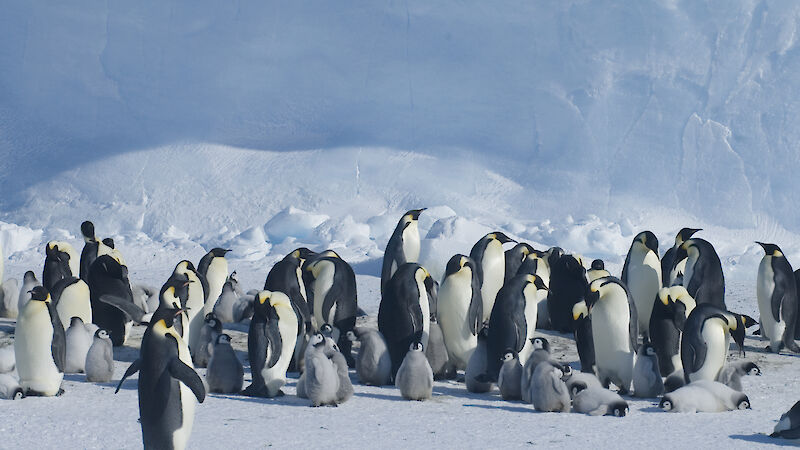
(58, 346)
(132, 369)
(126, 306)
(274, 339)
(186, 375)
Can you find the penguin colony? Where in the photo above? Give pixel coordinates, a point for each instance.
(661, 330)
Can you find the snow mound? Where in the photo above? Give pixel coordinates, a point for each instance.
(293, 222)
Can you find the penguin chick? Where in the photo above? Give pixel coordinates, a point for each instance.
(100, 358)
(704, 396)
(788, 427)
(548, 392)
(578, 381)
(541, 352)
(212, 328)
(436, 352)
(731, 375)
(7, 358)
(345, 390)
(415, 377)
(598, 401)
(225, 374)
(674, 381)
(231, 307)
(647, 382)
(509, 380)
(79, 339)
(477, 365)
(373, 364)
(321, 381)
(9, 387)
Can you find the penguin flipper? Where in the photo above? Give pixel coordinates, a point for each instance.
(274, 340)
(132, 369)
(186, 375)
(58, 345)
(126, 306)
(475, 312)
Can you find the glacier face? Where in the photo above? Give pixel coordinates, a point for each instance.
(683, 104)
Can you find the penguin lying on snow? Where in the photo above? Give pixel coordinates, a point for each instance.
(597, 401)
(731, 375)
(9, 387)
(704, 396)
(578, 381)
(788, 427)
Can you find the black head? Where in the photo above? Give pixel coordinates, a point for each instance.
(686, 233)
(540, 343)
(455, 264)
(598, 264)
(566, 371)
(649, 240)
(219, 252)
(303, 253)
(102, 334)
(750, 368)
(167, 314)
(326, 330)
(29, 277)
(528, 266)
(39, 293)
(666, 403)
(317, 340)
(108, 242)
(648, 349)
(509, 355)
(87, 230)
(500, 236)
(484, 333)
(415, 347)
(770, 249)
(538, 282)
(618, 409)
(738, 333)
(414, 213)
(554, 254)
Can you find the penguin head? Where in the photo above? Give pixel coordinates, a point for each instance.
(737, 328)
(415, 347)
(648, 349)
(522, 249)
(598, 264)
(108, 242)
(771, 249)
(175, 290)
(540, 343)
(412, 214)
(185, 266)
(537, 281)
(666, 403)
(577, 387)
(500, 236)
(648, 240)
(18, 394)
(483, 334)
(456, 263)
(566, 371)
(685, 234)
(351, 336)
(743, 403)
(75, 322)
(619, 409)
(750, 368)
(87, 230)
(29, 277)
(166, 315)
(102, 334)
(580, 310)
(40, 294)
(317, 340)
(212, 321)
(223, 339)
(302, 253)
(219, 252)
(554, 254)
(326, 329)
(509, 355)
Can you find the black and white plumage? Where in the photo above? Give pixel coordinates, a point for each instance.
(731, 375)
(40, 346)
(373, 364)
(704, 396)
(776, 291)
(670, 311)
(490, 261)
(207, 335)
(514, 257)
(702, 276)
(568, 286)
(59, 257)
(29, 282)
(99, 365)
(641, 273)
(415, 377)
(584, 341)
(225, 373)
(460, 309)
(788, 427)
(647, 382)
(112, 299)
(71, 299)
(704, 342)
(597, 270)
(597, 401)
(212, 271)
(669, 267)
(403, 246)
(10, 388)
(270, 343)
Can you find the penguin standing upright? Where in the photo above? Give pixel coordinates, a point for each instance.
(670, 311)
(548, 392)
(460, 309)
(704, 342)
(373, 366)
(92, 249)
(510, 378)
(232, 306)
(541, 353)
(213, 267)
(702, 276)
(225, 372)
(335, 298)
(490, 259)
(513, 320)
(71, 298)
(403, 246)
(40, 346)
(168, 385)
(568, 285)
(57, 263)
(415, 377)
(112, 299)
(404, 311)
(777, 299)
(321, 379)
(584, 340)
(614, 331)
(99, 365)
(29, 282)
(647, 382)
(642, 275)
(189, 324)
(669, 266)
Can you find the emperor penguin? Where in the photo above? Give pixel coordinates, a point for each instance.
(404, 311)
(287, 276)
(584, 340)
(777, 299)
(490, 259)
(71, 298)
(510, 378)
(731, 375)
(788, 427)
(403, 246)
(704, 342)
(436, 352)
(29, 282)
(513, 320)
(321, 380)
(548, 392)
(92, 248)
(670, 311)
(225, 373)
(614, 331)
(597, 270)
(112, 299)
(335, 298)
(207, 338)
(669, 267)
(231, 307)
(345, 390)
(541, 353)
(704, 396)
(647, 382)
(702, 276)
(373, 365)
(213, 267)
(79, 337)
(460, 309)
(168, 385)
(578, 381)
(99, 363)
(568, 286)
(190, 323)
(40, 346)
(415, 377)
(642, 275)
(58, 262)
(597, 401)
(475, 376)
(270, 343)
(514, 258)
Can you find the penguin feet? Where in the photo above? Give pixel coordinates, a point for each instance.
(255, 391)
(280, 393)
(60, 392)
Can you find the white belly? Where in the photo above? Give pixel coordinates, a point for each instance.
(275, 376)
(532, 299)
(411, 243)
(688, 270)
(426, 314)
(455, 295)
(34, 358)
(75, 302)
(717, 349)
(613, 355)
(299, 274)
(216, 276)
(765, 284)
(195, 311)
(644, 281)
(188, 400)
(494, 267)
(679, 268)
(321, 287)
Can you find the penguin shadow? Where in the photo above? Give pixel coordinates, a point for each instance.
(285, 400)
(504, 407)
(396, 398)
(761, 438)
(7, 327)
(462, 392)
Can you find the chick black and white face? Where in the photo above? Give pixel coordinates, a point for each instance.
(317, 339)
(665, 404)
(650, 350)
(508, 356)
(326, 329)
(754, 371)
(416, 347)
(744, 404)
(102, 334)
(620, 411)
(351, 336)
(223, 339)
(540, 344)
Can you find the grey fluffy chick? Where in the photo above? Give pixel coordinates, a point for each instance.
(415, 377)
(212, 328)
(731, 375)
(100, 358)
(548, 391)
(541, 353)
(345, 390)
(320, 380)
(598, 401)
(476, 366)
(509, 380)
(225, 373)
(647, 382)
(373, 364)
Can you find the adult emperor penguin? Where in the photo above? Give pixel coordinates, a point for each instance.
(788, 427)
(29, 281)
(192, 303)
(270, 343)
(670, 311)
(111, 298)
(71, 298)
(92, 248)
(168, 385)
(403, 246)
(669, 267)
(513, 320)
(642, 275)
(702, 276)
(704, 344)
(460, 309)
(584, 341)
(404, 311)
(213, 267)
(335, 299)
(490, 260)
(514, 258)
(57, 263)
(614, 331)
(777, 299)
(568, 286)
(597, 270)
(40, 346)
